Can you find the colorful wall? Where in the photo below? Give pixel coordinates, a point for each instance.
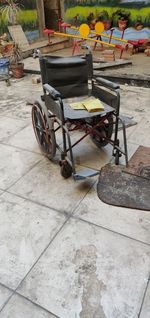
(27, 17)
(136, 13)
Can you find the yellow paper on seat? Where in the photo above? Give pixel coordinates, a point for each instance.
(93, 104)
(90, 104)
(77, 106)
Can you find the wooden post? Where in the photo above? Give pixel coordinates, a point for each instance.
(41, 16)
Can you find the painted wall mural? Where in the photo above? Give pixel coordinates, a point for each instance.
(130, 18)
(21, 12)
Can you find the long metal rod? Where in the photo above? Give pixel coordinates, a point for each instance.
(104, 35)
(85, 38)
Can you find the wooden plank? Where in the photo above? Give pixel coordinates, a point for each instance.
(19, 37)
(41, 16)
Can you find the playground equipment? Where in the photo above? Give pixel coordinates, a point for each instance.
(136, 44)
(85, 35)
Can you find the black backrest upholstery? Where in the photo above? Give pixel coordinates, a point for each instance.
(69, 75)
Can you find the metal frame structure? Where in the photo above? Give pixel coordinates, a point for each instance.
(66, 79)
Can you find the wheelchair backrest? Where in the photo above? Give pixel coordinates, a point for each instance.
(69, 75)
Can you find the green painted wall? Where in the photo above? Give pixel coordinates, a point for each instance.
(27, 17)
(139, 10)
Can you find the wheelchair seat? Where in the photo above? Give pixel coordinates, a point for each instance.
(70, 113)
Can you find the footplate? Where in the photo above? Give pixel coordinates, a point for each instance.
(85, 173)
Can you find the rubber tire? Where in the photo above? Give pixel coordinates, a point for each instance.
(102, 143)
(66, 170)
(48, 149)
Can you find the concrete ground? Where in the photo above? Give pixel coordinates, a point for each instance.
(63, 252)
(140, 62)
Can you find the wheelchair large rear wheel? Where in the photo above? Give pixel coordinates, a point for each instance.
(104, 132)
(44, 135)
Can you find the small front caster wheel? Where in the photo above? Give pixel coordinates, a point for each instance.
(66, 169)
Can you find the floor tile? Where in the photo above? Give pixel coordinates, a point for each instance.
(90, 272)
(14, 101)
(4, 295)
(19, 307)
(145, 313)
(140, 136)
(25, 230)
(130, 222)
(131, 148)
(135, 101)
(9, 102)
(14, 163)
(27, 136)
(44, 184)
(9, 126)
(29, 140)
(86, 153)
(20, 112)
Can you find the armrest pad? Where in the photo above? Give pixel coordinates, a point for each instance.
(52, 91)
(107, 83)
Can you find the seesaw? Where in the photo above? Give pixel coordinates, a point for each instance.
(136, 44)
(84, 32)
(110, 37)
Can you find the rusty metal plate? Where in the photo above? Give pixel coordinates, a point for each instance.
(139, 164)
(116, 187)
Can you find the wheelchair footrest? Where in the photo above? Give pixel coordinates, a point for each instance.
(85, 173)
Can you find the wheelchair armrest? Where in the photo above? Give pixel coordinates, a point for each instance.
(52, 91)
(107, 83)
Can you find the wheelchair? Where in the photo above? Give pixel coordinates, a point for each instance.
(69, 79)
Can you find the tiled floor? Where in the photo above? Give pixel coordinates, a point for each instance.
(63, 252)
(5, 294)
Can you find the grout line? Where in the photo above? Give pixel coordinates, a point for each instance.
(37, 203)
(5, 115)
(47, 246)
(56, 234)
(62, 212)
(35, 304)
(29, 300)
(32, 167)
(9, 288)
(34, 264)
(71, 214)
(23, 149)
(80, 201)
(22, 128)
(109, 230)
(143, 299)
